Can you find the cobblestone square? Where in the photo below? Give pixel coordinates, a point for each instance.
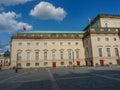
(80, 78)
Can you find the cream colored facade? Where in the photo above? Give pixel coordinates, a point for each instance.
(4, 61)
(98, 44)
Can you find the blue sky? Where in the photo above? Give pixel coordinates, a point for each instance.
(62, 15)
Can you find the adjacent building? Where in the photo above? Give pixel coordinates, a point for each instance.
(98, 44)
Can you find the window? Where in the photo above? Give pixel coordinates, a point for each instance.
(77, 54)
(76, 43)
(69, 43)
(19, 65)
(70, 54)
(45, 55)
(108, 52)
(62, 63)
(61, 43)
(107, 39)
(61, 55)
(19, 44)
(70, 62)
(28, 44)
(28, 55)
(19, 55)
(114, 39)
(45, 63)
(53, 43)
(98, 39)
(116, 52)
(106, 24)
(37, 43)
(45, 43)
(100, 52)
(36, 64)
(36, 55)
(27, 64)
(53, 55)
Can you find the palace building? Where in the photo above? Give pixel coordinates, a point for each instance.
(97, 45)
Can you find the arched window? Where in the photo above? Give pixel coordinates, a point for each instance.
(19, 54)
(53, 55)
(36, 55)
(61, 55)
(70, 54)
(116, 52)
(45, 55)
(77, 54)
(100, 52)
(108, 52)
(28, 55)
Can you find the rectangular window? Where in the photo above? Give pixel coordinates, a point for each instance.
(98, 39)
(107, 39)
(19, 65)
(100, 52)
(28, 44)
(61, 55)
(27, 64)
(116, 52)
(77, 54)
(69, 43)
(36, 55)
(28, 55)
(53, 55)
(45, 55)
(76, 43)
(19, 44)
(37, 43)
(108, 52)
(36, 64)
(114, 39)
(62, 63)
(70, 62)
(45, 63)
(53, 43)
(45, 44)
(61, 43)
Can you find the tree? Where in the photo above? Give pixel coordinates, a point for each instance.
(7, 53)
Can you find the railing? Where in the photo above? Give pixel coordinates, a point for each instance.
(105, 30)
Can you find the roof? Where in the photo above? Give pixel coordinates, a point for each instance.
(102, 16)
(50, 32)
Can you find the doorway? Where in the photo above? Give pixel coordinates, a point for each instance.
(53, 64)
(102, 62)
(78, 63)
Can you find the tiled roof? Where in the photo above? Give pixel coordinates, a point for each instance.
(54, 32)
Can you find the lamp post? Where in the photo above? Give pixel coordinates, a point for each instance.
(16, 69)
(73, 60)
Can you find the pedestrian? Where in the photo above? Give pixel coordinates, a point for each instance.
(16, 70)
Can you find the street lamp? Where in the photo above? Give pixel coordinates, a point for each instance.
(73, 60)
(16, 69)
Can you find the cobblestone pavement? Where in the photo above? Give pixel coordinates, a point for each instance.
(80, 78)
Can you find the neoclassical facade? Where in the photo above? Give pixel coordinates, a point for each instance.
(97, 45)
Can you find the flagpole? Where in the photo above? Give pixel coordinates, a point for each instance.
(90, 20)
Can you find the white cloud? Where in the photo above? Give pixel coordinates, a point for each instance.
(13, 2)
(45, 11)
(9, 23)
(4, 48)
